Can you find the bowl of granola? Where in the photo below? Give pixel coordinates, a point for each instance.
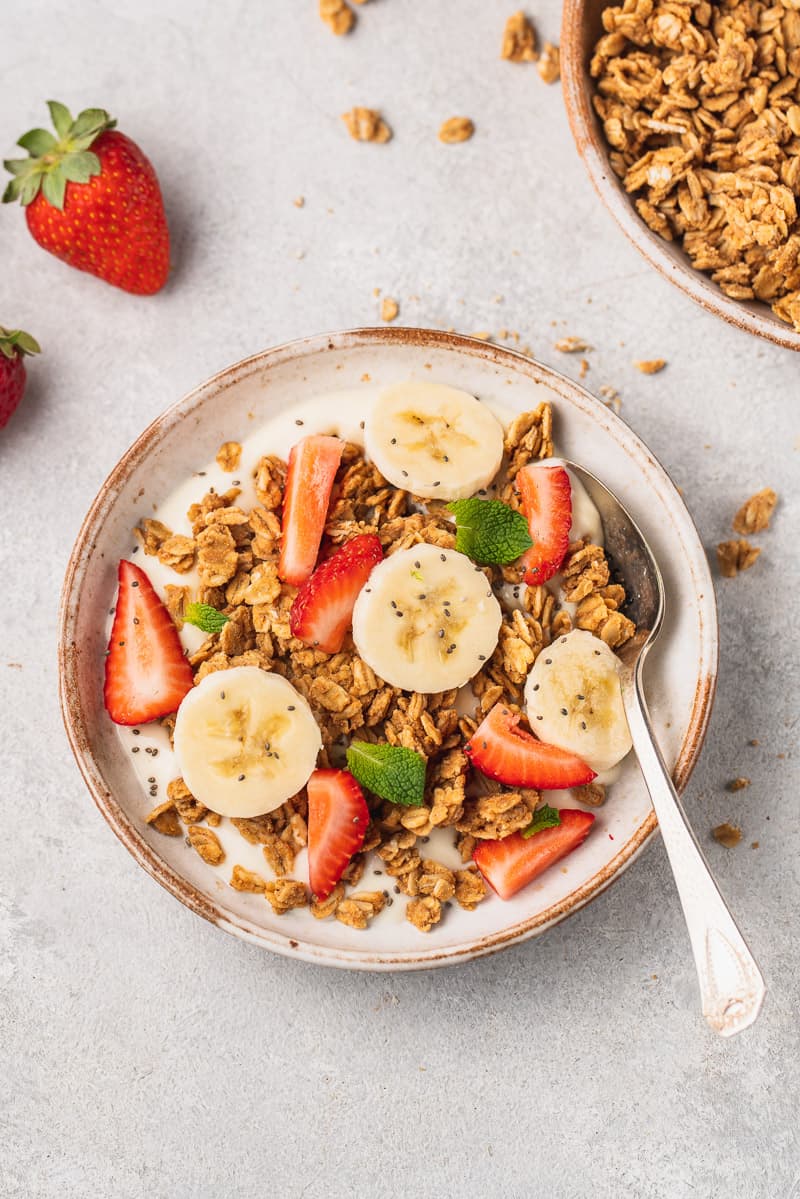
(337, 649)
(688, 122)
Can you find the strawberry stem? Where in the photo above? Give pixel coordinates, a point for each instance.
(15, 342)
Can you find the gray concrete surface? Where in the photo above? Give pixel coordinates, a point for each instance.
(142, 1052)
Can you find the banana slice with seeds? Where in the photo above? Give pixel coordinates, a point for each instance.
(427, 619)
(438, 442)
(574, 700)
(245, 741)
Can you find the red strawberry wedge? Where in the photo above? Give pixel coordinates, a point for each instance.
(547, 503)
(502, 750)
(337, 825)
(510, 864)
(323, 608)
(313, 464)
(147, 674)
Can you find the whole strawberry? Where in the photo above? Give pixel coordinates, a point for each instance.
(93, 199)
(14, 345)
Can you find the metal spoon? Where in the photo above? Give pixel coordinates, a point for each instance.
(731, 987)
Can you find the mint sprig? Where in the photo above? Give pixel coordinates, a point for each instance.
(544, 817)
(204, 617)
(390, 771)
(489, 532)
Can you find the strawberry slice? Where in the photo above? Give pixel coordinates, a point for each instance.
(313, 464)
(512, 863)
(547, 503)
(337, 825)
(322, 611)
(147, 674)
(504, 751)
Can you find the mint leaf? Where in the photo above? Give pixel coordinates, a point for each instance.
(544, 817)
(391, 771)
(204, 617)
(489, 532)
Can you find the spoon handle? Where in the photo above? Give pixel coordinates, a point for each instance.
(731, 987)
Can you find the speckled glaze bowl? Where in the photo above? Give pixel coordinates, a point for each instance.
(581, 26)
(681, 677)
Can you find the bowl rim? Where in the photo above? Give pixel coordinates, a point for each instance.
(78, 728)
(591, 149)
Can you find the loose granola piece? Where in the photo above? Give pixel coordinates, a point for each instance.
(207, 844)
(492, 817)
(279, 854)
(456, 129)
(175, 601)
(528, 437)
(571, 345)
(359, 909)
(519, 39)
(178, 552)
(164, 819)
(470, 889)
(727, 834)
(735, 556)
(754, 515)
(247, 880)
(592, 794)
(270, 479)
(650, 366)
(737, 784)
(549, 65)
(152, 534)
(229, 455)
(390, 309)
(337, 16)
(598, 614)
(285, 894)
(366, 125)
(187, 807)
(217, 559)
(585, 569)
(322, 908)
(435, 879)
(424, 912)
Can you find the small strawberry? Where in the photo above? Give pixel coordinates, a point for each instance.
(502, 750)
(93, 199)
(337, 825)
(510, 864)
(546, 495)
(14, 345)
(147, 674)
(313, 464)
(322, 611)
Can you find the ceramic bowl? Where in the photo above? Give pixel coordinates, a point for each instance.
(581, 27)
(682, 668)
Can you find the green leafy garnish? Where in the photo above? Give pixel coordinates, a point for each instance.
(489, 532)
(204, 617)
(391, 771)
(15, 341)
(544, 817)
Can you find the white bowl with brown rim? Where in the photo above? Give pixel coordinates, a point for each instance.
(581, 27)
(682, 673)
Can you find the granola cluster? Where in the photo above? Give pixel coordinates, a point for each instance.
(700, 105)
(236, 555)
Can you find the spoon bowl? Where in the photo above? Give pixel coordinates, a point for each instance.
(731, 986)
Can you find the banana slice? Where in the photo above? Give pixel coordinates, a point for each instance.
(426, 620)
(435, 441)
(574, 700)
(245, 741)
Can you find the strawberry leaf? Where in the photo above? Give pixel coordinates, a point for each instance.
(489, 532)
(61, 117)
(80, 167)
(14, 341)
(54, 185)
(390, 771)
(544, 817)
(37, 142)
